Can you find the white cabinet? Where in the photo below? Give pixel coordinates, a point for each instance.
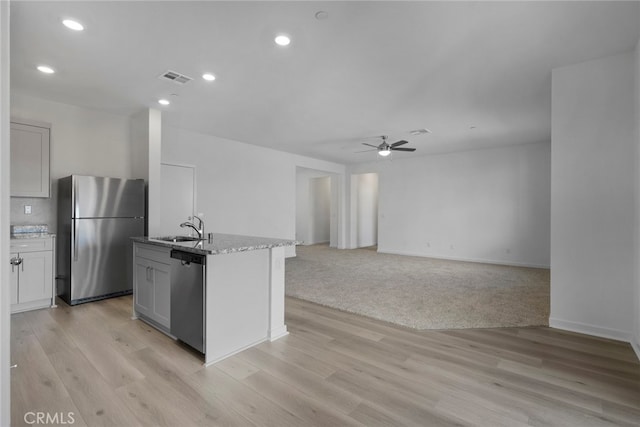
(31, 274)
(152, 284)
(30, 145)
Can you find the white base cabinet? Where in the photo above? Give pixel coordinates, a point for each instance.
(152, 284)
(244, 293)
(32, 276)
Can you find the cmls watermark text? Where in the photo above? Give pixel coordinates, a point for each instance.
(60, 418)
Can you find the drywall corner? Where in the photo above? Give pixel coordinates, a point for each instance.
(5, 319)
(140, 145)
(635, 340)
(593, 145)
(146, 155)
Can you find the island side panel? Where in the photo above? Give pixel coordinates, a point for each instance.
(237, 302)
(277, 327)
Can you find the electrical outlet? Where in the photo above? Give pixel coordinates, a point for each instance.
(27, 209)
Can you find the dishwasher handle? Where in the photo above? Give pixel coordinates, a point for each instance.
(188, 257)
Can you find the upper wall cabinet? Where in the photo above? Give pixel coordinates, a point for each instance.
(30, 147)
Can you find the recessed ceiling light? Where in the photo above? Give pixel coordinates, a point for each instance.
(282, 40)
(73, 25)
(209, 77)
(163, 102)
(420, 131)
(320, 15)
(45, 69)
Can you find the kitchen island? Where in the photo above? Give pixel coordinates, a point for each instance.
(243, 289)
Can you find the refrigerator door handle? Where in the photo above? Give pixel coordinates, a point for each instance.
(76, 210)
(75, 241)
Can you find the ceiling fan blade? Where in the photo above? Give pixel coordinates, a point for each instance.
(365, 151)
(395, 144)
(402, 149)
(370, 145)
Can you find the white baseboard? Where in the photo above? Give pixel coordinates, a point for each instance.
(278, 333)
(585, 328)
(321, 242)
(484, 261)
(219, 358)
(635, 344)
(289, 251)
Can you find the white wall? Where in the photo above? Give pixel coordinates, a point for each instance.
(636, 340)
(145, 152)
(5, 337)
(337, 226)
(365, 205)
(592, 197)
(83, 141)
(242, 188)
(178, 192)
(488, 205)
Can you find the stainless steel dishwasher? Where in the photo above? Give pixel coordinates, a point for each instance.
(188, 297)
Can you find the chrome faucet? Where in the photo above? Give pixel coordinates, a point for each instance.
(199, 229)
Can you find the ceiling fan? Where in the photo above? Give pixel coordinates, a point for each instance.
(384, 149)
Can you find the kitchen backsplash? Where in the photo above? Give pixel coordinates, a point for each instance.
(43, 211)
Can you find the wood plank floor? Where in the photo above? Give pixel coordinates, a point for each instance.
(334, 369)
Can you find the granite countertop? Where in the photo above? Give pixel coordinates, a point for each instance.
(221, 244)
(30, 231)
(20, 236)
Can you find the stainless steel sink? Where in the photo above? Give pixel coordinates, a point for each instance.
(177, 239)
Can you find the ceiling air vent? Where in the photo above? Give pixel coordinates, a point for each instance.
(175, 77)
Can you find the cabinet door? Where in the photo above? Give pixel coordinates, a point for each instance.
(162, 293)
(29, 161)
(14, 280)
(152, 290)
(35, 276)
(143, 287)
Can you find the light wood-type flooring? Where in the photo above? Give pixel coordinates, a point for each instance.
(334, 369)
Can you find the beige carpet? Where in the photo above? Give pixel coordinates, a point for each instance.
(422, 293)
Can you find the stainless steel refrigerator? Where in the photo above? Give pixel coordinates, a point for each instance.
(96, 218)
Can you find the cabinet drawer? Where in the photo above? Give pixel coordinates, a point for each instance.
(153, 253)
(31, 245)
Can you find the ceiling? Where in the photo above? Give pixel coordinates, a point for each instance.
(477, 74)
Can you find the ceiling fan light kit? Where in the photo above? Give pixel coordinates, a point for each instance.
(384, 149)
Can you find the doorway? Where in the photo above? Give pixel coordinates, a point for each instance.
(316, 207)
(364, 212)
